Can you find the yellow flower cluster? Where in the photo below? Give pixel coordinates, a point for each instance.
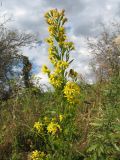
(45, 69)
(50, 41)
(50, 124)
(56, 21)
(69, 46)
(61, 65)
(37, 155)
(38, 126)
(72, 92)
(53, 128)
(56, 80)
(52, 50)
(59, 48)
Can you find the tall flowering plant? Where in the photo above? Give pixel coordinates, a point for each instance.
(59, 55)
(57, 129)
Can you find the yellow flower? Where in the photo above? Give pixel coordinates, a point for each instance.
(37, 155)
(62, 29)
(53, 128)
(60, 117)
(50, 41)
(52, 59)
(69, 45)
(38, 126)
(52, 50)
(62, 64)
(45, 69)
(56, 80)
(72, 92)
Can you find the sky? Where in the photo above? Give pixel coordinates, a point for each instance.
(84, 19)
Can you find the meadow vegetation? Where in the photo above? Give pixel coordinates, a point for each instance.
(74, 121)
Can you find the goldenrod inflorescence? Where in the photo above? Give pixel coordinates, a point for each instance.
(59, 48)
(54, 127)
(72, 92)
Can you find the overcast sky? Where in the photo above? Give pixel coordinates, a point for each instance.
(84, 19)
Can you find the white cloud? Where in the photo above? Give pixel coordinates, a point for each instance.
(20, 12)
(84, 18)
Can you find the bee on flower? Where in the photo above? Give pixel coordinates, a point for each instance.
(73, 74)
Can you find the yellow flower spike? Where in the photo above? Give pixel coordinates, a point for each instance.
(58, 49)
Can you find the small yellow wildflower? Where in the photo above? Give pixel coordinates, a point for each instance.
(72, 92)
(60, 117)
(69, 45)
(45, 69)
(56, 80)
(38, 126)
(37, 155)
(62, 65)
(53, 128)
(50, 41)
(52, 50)
(52, 59)
(62, 29)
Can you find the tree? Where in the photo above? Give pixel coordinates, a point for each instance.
(11, 43)
(106, 51)
(26, 71)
